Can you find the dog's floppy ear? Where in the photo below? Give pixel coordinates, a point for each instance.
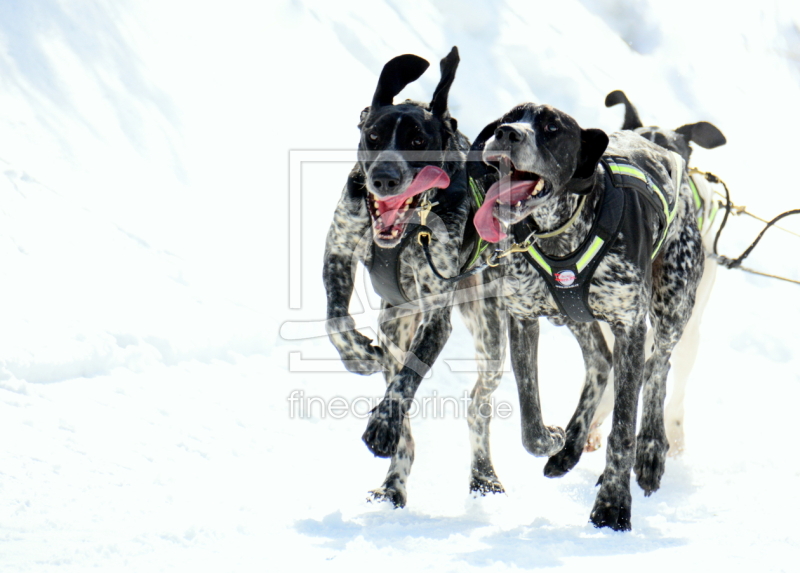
(475, 165)
(397, 74)
(703, 134)
(448, 67)
(363, 117)
(632, 120)
(476, 168)
(486, 133)
(593, 145)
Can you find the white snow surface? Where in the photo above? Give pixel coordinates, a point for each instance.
(148, 350)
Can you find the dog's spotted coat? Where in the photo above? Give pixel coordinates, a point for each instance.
(397, 143)
(707, 136)
(533, 143)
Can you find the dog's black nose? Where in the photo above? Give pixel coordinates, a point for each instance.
(385, 179)
(509, 132)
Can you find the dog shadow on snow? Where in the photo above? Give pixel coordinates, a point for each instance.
(543, 543)
(540, 543)
(386, 527)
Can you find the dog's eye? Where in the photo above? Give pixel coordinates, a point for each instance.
(418, 141)
(551, 128)
(372, 136)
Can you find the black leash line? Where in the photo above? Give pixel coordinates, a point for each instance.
(424, 237)
(737, 262)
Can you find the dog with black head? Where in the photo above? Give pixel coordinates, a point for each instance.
(411, 171)
(603, 230)
(707, 136)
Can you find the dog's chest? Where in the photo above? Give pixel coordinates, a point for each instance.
(620, 290)
(528, 295)
(617, 292)
(417, 277)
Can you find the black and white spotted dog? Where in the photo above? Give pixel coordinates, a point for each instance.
(411, 155)
(708, 136)
(606, 232)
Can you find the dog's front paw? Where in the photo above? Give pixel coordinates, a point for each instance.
(547, 444)
(482, 484)
(561, 463)
(595, 440)
(651, 459)
(357, 352)
(384, 427)
(617, 516)
(612, 507)
(394, 496)
(366, 359)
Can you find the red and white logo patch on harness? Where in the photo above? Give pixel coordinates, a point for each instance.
(565, 278)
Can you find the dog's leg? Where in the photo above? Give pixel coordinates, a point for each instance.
(485, 319)
(651, 443)
(675, 284)
(385, 423)
(348, 238)
(595, 439)
(612, 507)
(538, 439)
(597, 359)
(683, 359)
(395, 336)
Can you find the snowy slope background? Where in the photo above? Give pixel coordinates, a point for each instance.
(148, 349)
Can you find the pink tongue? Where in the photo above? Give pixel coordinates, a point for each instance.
(427, 178)
(510, 191)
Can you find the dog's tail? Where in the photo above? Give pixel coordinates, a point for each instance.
(632, 120)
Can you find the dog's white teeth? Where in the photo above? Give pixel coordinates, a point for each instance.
(518, 203)
(395, 232)
(376, 205)
(539, 186)
(409, 200)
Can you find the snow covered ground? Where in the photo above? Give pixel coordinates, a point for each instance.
(155, 327)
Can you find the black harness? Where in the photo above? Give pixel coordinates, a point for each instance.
(384, 271)
(384, 267)
(568, 278)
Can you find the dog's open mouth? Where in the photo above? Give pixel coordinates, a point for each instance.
(389, 223)
(390, 215)
(509, 199)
